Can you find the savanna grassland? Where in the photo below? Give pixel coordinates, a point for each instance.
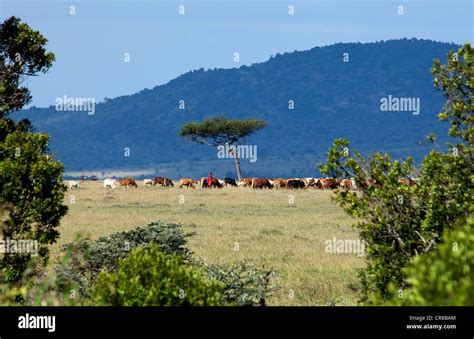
(282, 229)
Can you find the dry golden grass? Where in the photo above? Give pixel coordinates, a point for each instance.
(233, 224)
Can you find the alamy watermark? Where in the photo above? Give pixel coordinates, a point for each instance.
(393, 104)
(20, 246)
(241, 151)
(355, 246)
(75, 104)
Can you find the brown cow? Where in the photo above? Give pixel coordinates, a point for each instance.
(369, 182)
(279, 183)
(261, 183)
(216, 182)
(188, 183)
(407, 181)
(127, 182)
(165, 182)
(347, 184)
(245, 182)
(327, 183)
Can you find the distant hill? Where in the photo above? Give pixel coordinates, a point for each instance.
(332, 99)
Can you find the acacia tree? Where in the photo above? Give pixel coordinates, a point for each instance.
(220, 131)
(31, 188)
(400, 222)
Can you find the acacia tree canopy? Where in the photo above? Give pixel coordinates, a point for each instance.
(219, 131)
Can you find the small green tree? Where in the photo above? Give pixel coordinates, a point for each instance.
(398, 221)
(147, 277)
(30, 179)
(221, 131)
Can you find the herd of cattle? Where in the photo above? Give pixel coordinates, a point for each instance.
(258, 183)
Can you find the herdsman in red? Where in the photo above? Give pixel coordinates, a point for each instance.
(209, 180)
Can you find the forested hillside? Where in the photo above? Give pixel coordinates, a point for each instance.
(332, 99)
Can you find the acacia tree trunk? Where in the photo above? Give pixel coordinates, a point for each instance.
(237, 167)
(237, 163)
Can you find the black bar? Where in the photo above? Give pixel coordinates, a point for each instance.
(350, 322)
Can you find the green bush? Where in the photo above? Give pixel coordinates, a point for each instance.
(443, 277)
(244, 284)
(399, 221)
(150, 278)
(86, 259)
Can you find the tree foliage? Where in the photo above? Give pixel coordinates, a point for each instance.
(443, 277)
(456, 80)
(39, 290)
(400, 221)
(30, 179)
(22, 54)
(31, 182)
(220, 130)
(243, 283)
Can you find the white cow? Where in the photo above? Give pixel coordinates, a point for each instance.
(353, 184)
(112, 183)
(74, 183)
(148, 182)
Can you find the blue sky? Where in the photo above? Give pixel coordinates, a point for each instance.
(91, 44)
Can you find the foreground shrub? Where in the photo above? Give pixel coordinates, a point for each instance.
(86, 259)
(36, 289)
(444, 277)
(244, 284)
(150, 278)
